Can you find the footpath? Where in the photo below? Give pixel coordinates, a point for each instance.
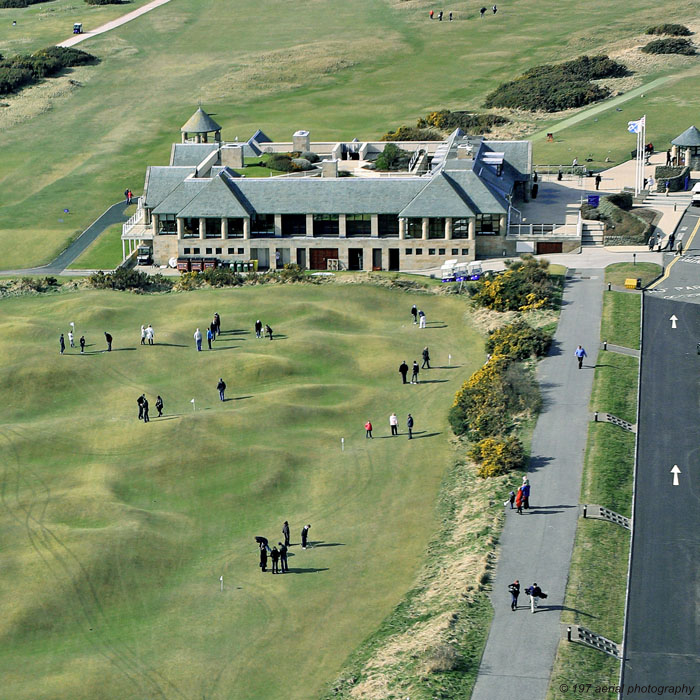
(537, 546)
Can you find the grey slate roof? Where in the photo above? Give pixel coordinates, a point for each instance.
(191, 153)
(690, 137)
(180, 197)
(200, 123)
(517, 156)
(441, 196)
(215, 199)
(161, 181)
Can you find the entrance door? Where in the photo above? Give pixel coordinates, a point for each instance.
(301, 258)
(320, 256)
(376, 258)
(281, 257)
(394, 259)
(354, 258)
(546, 247)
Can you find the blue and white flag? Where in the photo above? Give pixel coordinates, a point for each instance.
(636, 127)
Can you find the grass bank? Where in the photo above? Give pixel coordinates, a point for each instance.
(104, 254)
(595, 594)
(621, 318)
(618, 272)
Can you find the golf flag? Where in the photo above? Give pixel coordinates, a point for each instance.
(191, 400)
(636, 127)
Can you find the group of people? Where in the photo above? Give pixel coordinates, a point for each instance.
(142, 402)
(81, 342)
(259, 330)
(521, 499)
(279, 556)
(393, 424)
(534, 591)
(147, 335)
(439, 15)
(129, 195)
(418, 316)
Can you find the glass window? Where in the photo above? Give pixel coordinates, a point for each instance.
(195, 251)
(487, 224)
(460, 228)
(414, 228)
(419, 251)
(326, 225)
(186, 251)
(455, 251)
(235, 228)
(431, 251)
(218, 251)
(240, 251)
(388, 225)
(465, 251)
(190, 228)
(231, 251)
(167, 224)
(294, 224)
(262, 225)
(208, 251)
(436, 227)
(212, 228)
(409, 251)
(441, 251)
(358, 225)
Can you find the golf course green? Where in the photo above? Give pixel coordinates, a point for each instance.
(116, 532)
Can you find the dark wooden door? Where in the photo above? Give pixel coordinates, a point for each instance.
(545, 247)
(319, 256)
(393, 259)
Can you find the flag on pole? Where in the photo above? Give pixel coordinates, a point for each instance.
(191, 400)
(635, 127)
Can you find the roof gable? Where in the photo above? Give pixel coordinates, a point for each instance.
(442, 196)
(218, 198)
(690, 137)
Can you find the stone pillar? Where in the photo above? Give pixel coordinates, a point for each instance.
(686, 157)
(155, 224)
(310, 225)
(375, 226)
(425, 228)
(502, 225)
(448, 228)
(402, 229)
(180, 229)
(202, 228)
(471, 231)
(278, 225)
(342, 231)
(367, 259)
(246, 227)
(674, 152)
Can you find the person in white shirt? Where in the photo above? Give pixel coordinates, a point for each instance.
(394, 423)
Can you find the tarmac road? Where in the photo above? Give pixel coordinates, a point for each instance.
(663, 608)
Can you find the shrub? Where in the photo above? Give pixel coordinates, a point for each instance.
(496, 456)
(392, 158)
(670, 29)
(281, 162)
(412, 133)
(669, 46)
(127, 279)
(444, 658)
(524, 286)
(311, 157)
(552, 88)
(519, 341)
(467, 121)
(623, 200)
(222, 277)
(11, 4)
(301, 164)
(106, 2)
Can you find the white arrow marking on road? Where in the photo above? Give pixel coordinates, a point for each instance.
(673, 320)
(675, 471)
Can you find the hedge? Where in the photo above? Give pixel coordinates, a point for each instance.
(470, 122)
(670, 46)
(498, 456)
(10, 4)
(412, 133)
(670, 29)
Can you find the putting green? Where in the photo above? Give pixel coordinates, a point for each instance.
(115, 533)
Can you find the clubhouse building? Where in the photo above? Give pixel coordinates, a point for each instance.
(453, 201)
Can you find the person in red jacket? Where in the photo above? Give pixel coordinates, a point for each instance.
(519, 498)
(368, 428)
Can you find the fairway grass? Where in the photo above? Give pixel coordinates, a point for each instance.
(298, 66)
(104, 254)
(115, 533)
(617, 273)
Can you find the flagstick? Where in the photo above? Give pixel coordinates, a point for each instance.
(221, 578)
(342, 444)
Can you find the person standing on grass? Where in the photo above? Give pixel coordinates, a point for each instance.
(159, 406)
(82, 344)
(263, 558)
(482, 12)
(535, 593)
(258, 328)
(426, 358)
(394, 423)
(285, 532)
(217, 324)
(210, 335)
(283, 557)
(62, 344)
(519, 500)
(414, 313)
(198, 340)
(212, 328)
(139, 401)
(143, 335)
(70, 339)
(146, 419)
(403, 370)
(268, 331)
(108, 338)
(495, 9)
(421, 319)
(580, 353)
(450, 16)
(409, 425)
(275, 556)
(514, 590)
(416, 369)
(368, 429)
(305, 535)
(221, 386)
(150, 334)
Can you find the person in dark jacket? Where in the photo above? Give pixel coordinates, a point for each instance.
(159, 406)
(403, 370)
(414, 313)
(304, 535)
(416, 369)
(514, 590)
(275, 556)
(283, 557)
(82, 343)
(409, 425)
(511, 499)
(221, 386)
(62, 343)
(108, 338)
(535, 593)
(258, 328)
(263, 557)
(140, 401)
(426, 358)
(598, 180)
(285, 532)
(217, 324)
(212, 328)
(268, 331)
(146, 419)
(526, 496)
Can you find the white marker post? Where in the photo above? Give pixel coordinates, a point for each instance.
(342, 444)
(449, 360)
(221, 578)
(193, 406)
(675, 471)
(673, 320)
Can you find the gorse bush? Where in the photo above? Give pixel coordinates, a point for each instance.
(551, 88)
(524, 286)
(670, 46)
(518, 341)
(392, 158)
(106, 2)
(623, 200)
(496, 456)
(9, 4)
(123, 279)
(471, 122)
(670, 30)
(412, 133)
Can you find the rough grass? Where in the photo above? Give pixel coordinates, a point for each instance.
(104, 254)
(621, 318)
(115, 533)
(617, 273)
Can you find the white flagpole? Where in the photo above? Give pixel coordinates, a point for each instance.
(221, 578)
(193, 406)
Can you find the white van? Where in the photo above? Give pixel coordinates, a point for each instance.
(695, 192)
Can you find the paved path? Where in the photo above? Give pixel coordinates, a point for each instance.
(116, 214)
(537, 546)
(77, 38)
